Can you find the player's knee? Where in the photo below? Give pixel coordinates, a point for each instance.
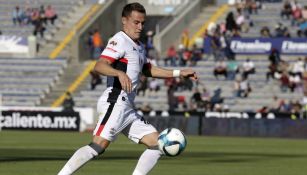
(97, 148)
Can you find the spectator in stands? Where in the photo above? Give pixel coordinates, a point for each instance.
(242, 88)
(216, 46)
(275, 105)
(297, 68)
(274, 57)
(42, 14)
(231, 24)
(286, 10)
(185, 41)
(220, 68)
(279, 30)
(285, 106)
(196, 55)
(50, 14)
(295, 83)
(205, 96)
(17, 15)
(245, 87)
(296, 107)
(248, 68)
(95, 80)
(232, 69)
(265, 32)
(171, 56)
(224, 47)
(196, 101)
(216, 98)
(39, 27)
(0, 32)
(35, 17)
(27, 16)
(68, 104)
(271, 72)
(296, 14)
(97, 44)
(240, 20)
(284, 82)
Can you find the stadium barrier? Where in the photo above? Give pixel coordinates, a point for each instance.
(234, 124)
(252, 46)
(45, 118)
(17, 46)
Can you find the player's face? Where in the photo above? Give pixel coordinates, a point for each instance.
(134, 24)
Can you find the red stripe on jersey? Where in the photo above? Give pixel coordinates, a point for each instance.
(108, 58)
(124, 60)
(99, 130)
(108, 48)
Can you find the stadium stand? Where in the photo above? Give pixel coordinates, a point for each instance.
(262, 93)
(25, 81)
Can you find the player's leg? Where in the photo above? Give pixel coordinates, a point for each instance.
(150, 156)
(101, 140)
(85, 154)
(142, 132)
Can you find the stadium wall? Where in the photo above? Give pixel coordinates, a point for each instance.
(234, 124)
(170, 34)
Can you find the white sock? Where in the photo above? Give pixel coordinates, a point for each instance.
(147, 161)
(80, 157)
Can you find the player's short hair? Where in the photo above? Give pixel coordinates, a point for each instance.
(133, 7)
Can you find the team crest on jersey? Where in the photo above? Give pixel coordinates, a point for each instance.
(113, 43)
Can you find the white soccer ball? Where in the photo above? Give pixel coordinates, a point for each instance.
(172, 142)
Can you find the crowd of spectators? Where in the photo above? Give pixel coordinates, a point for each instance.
(280, 105)
(290, 75)
(38, 17)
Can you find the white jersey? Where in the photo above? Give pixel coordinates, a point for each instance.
(129, 57)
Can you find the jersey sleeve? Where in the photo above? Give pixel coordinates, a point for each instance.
(114, 49)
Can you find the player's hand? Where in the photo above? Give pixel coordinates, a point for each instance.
(189, 73)
(125, 81)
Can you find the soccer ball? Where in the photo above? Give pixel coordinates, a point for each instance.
(172, 142)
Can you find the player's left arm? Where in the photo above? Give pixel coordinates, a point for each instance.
(158, 72)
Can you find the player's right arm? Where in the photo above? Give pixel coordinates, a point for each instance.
(103, 66)
(113, 51)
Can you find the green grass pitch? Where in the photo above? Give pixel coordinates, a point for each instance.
(44, 153)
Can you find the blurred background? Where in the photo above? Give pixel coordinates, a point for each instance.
(250, 56)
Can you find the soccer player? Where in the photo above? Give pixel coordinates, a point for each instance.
(122, 61)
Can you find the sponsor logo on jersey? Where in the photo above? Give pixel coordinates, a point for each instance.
(113, 43)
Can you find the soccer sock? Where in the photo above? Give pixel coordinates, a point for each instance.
(147, 161)
(80, 157)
